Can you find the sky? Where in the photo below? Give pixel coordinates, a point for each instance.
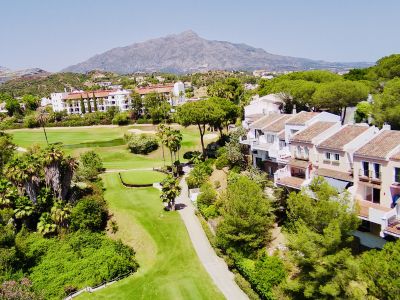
(53, 34)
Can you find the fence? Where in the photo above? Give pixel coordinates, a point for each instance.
(97, 287)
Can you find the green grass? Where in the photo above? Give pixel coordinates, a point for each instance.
(142, 177)
(107, 142)
(169, 267)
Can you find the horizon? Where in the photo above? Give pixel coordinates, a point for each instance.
(51, 35)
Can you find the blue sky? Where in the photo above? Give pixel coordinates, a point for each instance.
(54, 34)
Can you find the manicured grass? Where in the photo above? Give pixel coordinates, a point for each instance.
(169, 267)
(107, 142)
(142, 177)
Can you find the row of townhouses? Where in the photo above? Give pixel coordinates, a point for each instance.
(79, 102)
(295, 148)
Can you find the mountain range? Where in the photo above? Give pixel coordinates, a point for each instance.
(187, 52)
(7, 74)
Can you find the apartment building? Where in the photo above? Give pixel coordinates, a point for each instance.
(377, 183)
(174, 93)
(79, 102)
(261, 106)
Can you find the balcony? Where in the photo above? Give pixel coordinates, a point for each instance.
(245, 140)
(370, 176)
(301, 156)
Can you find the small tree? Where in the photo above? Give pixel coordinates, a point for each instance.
(90, 165)
(170, 190)
(42, 116)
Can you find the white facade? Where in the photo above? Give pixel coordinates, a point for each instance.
(179, 93)
(261, 106)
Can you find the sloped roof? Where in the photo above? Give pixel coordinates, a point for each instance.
(306, 135)
(264, 121)
(381, 145)
(278, 125)
(344, 136)
(302, 117)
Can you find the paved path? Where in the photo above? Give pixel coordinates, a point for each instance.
(215, 266)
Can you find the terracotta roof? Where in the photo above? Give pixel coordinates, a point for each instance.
(301, 118)
(344, 136)
(278, 125)
(84, 95)
(155, 89)
(335, 174)
(395, 156)
(303, 164)
(264, 121)
(293, 182)
(306, 135)
(380, 145)
(281, 135)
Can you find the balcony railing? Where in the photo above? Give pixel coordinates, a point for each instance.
(301, 156)
(370, 175)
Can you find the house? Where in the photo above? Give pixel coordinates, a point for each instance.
(303, 160)
(376, 184)
(80, 102)
(261, 106)
(174, 93)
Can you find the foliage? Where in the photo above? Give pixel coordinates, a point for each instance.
(319, 234)
(170, 190)
(18, 290)
(30, 121)
(89, 214)
(121, 118)
(80, 259)
(205, 201)
(199, 174)
(363, 112)
(7, 149)
(386, 107)
(157, 107)
(90, 165)
(230, 89)
(31, 102)
(246, 218)
(263, 274)
(141, 143)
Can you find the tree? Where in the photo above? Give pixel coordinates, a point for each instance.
(141, 143)
(200, 113)
(162, 136)
(157, 107)
(173, 142)
(386, 106)
(42, 117)
(247, 218)
(170, 190)
(12, 106)
(90, 165)
(231, 89)
(89, 214)
(230, 112)
(31, 102)
(136, 104)
(82, 104)
(338, 95)
(7, 149)
(363, 112)
(319, 237)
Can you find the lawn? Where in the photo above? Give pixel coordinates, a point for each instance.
(169, 266)
(142, 177)
(107, 142)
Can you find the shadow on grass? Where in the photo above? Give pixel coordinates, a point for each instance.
(110, 143)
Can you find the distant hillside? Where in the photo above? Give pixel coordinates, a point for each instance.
(187, 52)
(7, 74)
(43, 86)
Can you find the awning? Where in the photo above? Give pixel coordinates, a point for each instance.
(338, 184)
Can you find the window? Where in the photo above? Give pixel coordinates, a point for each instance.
(337, 157)
(397, 175)
(306, 151)
(328, 155)
(270, 138)
(372, 194)
(365, 169)
(282, 145)
(298, 150)
(377, 171)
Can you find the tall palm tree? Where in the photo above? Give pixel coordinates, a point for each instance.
(42, 117)
(161, 134)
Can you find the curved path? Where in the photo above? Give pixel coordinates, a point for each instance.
(215, 265)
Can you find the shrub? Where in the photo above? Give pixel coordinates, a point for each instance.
(30, 121)
(89, 214)
(208, 195)
(209, 212)
(121, 118)
(222, 161)
(141, 144)
(199, 174)
(90, 165)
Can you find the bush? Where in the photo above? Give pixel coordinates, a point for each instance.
(222, 161)
(209, 212)
(245, 286)
(90, 165)
(141, 144)
(90, 214)
(121, 118)
(208, 195)
(191, 155)
(30, 121)
(144, 121)
(199, 174)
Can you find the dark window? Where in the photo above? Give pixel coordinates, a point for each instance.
(365, 165)
(397, 175)
(376, 196)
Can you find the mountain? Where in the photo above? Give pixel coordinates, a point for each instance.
(7, 74)
(187, 52)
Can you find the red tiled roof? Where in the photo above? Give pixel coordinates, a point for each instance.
(155, 89)
(306, 135)
(381, 145)
(334, 174)
(302, 117)
(343, 137)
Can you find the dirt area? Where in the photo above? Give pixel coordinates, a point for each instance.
(278, 240)
(222, 177)
(210, 136)
(139, 131)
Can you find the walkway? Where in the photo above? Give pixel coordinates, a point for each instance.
(215, 266)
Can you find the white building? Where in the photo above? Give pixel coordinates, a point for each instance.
(92, 101)
(179, 93)
(261, 106)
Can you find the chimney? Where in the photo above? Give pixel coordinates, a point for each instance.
(294, 110)
(386, 126)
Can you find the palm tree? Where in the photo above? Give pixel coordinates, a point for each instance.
(170, 190)
(173, 142)
(45, 225)
(42, 116)
(161, 134)
(60, 215)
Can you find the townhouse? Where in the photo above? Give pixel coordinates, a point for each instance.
(377, 183)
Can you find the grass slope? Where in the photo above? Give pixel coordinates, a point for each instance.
(142, 177)
(169, 266)
(107, 142)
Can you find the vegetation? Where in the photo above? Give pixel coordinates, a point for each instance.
(170, 189)
(141, 143)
